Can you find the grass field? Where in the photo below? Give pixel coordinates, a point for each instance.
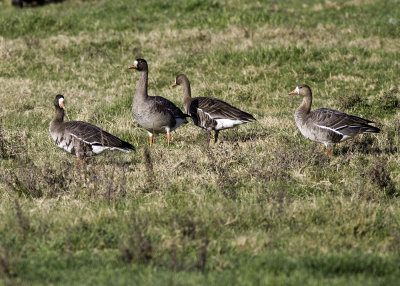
(263, 207)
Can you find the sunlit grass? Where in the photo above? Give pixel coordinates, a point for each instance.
(265, 206)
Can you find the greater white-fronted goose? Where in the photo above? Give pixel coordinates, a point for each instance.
(325, 125)
(80, 138)
(210, 113)
(156, 114)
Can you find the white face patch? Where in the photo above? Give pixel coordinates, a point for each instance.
(61, 102)
(135, 63)
(297, 90)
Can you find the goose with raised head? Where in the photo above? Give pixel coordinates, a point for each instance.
(210, 113)
(327, 126)
(156, 114)
(81, 138)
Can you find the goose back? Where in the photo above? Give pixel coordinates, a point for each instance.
(84, 139)
(332, 126)
(215, 114)
(158, 113)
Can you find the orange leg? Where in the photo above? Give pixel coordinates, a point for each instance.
(168, 138)
(151, 140)
(328, 151)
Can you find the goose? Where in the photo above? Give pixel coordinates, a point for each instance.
(327, 126)
(81, 138)
(156, 114)
(210, 113)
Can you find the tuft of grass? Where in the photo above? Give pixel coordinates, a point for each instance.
(12, 145)
(388, 102)
(139, 248)
(3, 143)
(149, 171)
(380, 176)
(6, 266)
(351, 101)
(22, 220)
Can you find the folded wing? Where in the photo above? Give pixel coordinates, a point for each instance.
(94, 136)
(341, 123)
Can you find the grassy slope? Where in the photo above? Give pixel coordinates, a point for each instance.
(264, 207)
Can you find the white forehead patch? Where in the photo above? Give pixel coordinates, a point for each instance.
(60, 100)
(297, 90)
(135, 63)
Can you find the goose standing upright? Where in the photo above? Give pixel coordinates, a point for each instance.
(156, 114)
(327, 126)
(80, 138)
(210, 113)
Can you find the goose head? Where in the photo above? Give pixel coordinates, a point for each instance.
(180, 79)
(302, 90)
(59, 102)
(139, 64)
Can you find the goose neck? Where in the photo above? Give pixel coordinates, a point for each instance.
(186, 91)
(305, 106)
(141, 88)
(59, 117)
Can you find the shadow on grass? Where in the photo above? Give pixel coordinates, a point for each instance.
(33, 3)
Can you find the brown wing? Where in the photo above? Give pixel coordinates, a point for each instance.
(164, 105)
(218, 109)
(342, 123)
(93, 135)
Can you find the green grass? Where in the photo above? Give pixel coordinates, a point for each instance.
(264, 207)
